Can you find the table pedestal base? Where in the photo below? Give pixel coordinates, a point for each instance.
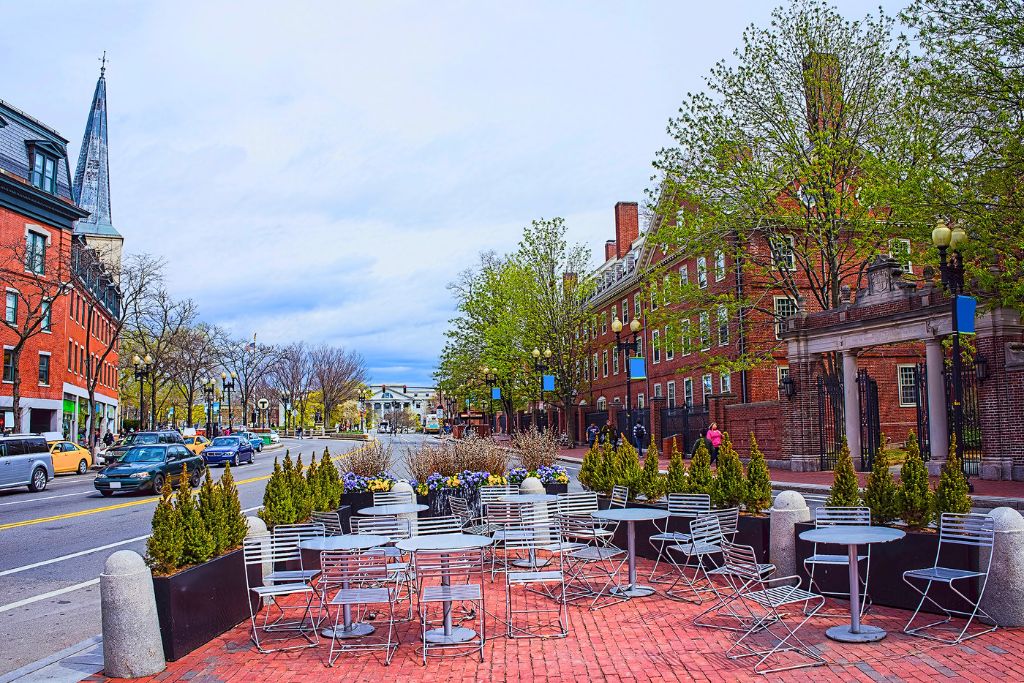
(458, 635)
(353, 631)
(634, 591)
(845, 634)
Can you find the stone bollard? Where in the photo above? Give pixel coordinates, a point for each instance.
(257, 527)
(406, 488)
(788, 509)
(1004, 594)
(131, 630)
(531, 485)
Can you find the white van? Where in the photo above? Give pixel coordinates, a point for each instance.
(25, 460)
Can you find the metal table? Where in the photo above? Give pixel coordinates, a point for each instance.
(349, 542)
(852, 536)
(530, 561)
(630, 516)
(393, 509)
(448, 634)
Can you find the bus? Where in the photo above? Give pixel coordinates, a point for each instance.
(432, 425)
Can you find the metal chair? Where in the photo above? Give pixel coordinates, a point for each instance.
(532, 540)
(583, 504)
(361, 579)
(471, 524)
(256, 551)
(294, 534)
(680, 505)
(840, 516)
(728, 521)
(393, 498)
(727, 594)
(428, 526)
(435, 571)
(763, 599)
(395, 529)
(591, 563)
(331, 522)
(972, 530)
(493, 494)
(620, 496)
(705, 540)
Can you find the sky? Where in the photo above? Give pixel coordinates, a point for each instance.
(319, 171)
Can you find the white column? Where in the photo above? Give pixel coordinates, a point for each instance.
(851, 402)
(938, 428)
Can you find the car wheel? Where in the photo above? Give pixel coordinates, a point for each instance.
(106, 494)
(38, 482)
(234, 460)
(83, 467)
(158, 484)
(194, 479)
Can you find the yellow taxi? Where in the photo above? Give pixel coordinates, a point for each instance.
(197, 444)
(70, 458)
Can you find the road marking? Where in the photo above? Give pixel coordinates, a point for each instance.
(33, 500)
(70, 556)
(133, 503)
(47, 596)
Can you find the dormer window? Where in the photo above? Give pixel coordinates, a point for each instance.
(44, 171)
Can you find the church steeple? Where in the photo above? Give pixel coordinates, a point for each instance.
(91, 189)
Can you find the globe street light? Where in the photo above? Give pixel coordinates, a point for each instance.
(143, 369)
(540, 367)
(228, 382)
(626, 347)
(491, 380)
(209, 391)
(285, 396)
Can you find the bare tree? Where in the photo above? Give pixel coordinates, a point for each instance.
(194, 355)
(35, 275)
(251, 363)
(338, 375)
(293, 374)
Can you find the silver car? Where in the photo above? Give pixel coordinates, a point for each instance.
(25, 460)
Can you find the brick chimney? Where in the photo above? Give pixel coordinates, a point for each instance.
(627, 227)
(823, 91)
(609, 249)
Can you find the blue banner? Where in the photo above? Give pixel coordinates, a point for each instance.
(637, 368)
(966, 306)
(495, 393)
(547, 383)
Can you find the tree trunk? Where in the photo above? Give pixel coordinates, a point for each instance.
(16, 388)
(570, 418)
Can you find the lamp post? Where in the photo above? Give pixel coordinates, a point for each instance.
(228, 382)
(626, 347)
(491, 380)
(285, 396)
(209, 391)
(951, 271)
(143, 369)
(540, 367)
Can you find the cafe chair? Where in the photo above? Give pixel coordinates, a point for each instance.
(393, 498)
(428, 526)
(446, 577)
(686, 506)
(592, 565)
(546, 582)
(620, 496)
(955, 531)
(471, 523)
(265, 549)
(361, 580)
(292, 535)
(331, 522)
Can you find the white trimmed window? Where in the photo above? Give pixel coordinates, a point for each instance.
(781, 373)
(8, 375)
(899, 249)
(604, 363)
(640, 401)
(615, 312)
(906, 380)
(725, 383)
(785, 307)
(688, 392)
(604, 323)
(671, 387)
(687, 336)
(684, 274)
(707, 386)
(636, 306)
(595, 366)
(723, 326)
(657, 390)
(705, 331)
(670, 346)
(35, 252)
(783, 252)
(11, 307)
(625, 312)
(44, 369)
(719, 265)
(615, 362)
(655, 346)
(702, 272)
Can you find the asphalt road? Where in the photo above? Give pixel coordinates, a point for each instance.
(53, 545)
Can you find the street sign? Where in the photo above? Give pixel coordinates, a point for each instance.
(637, 368)
(216, 406)
(263, 403)
(547, 383)
(495, 393)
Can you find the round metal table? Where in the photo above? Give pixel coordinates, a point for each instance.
(349, 542)
(448, 634)
(852, 536)
(393, 509)
(630, 516)
(530, 561)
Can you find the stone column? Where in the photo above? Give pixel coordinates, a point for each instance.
(788, 509)
(1001, 393)
(851, 402)
(131, 630)
(1004, 594)
(938, 428)
(656, 433)
(800, 432)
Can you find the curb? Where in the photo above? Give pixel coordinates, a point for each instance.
(67, 652)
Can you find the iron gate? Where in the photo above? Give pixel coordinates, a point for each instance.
(971, 447)
(870, 421)
(921, 400)
(641, 416)
(832, 427)
(689, 423)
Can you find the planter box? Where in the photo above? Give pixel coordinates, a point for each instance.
(197, 605)
(357, 501)
(755, 532)
(888, 562)
(555, 489)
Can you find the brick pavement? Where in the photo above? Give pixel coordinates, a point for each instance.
(648, 639)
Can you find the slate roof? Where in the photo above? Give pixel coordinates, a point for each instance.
(17, 131)
(92, 175)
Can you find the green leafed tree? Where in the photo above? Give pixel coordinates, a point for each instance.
(702, 479)
(845, 491)
(197, 542)
(730, 488)
(164, 546)
(759, 480)
(952, 494)
(628, 470)
(677, 481)
(231, 516)
(210, 510)
(915, 495)
(653, 485)
(881, 495)
(278, 507)
(590, 468)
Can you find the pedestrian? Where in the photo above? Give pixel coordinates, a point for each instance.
(639, 434)
(607, 434)
(714, 437)
(299, 432)
(591, 435)
(108, 439)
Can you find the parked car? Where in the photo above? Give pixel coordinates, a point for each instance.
(70, 458)
(25, 460)
(197, 444)
(145, 468)
(274, 437)
(233, 449)
(114, 453)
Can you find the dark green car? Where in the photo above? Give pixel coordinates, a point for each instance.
(145, 468)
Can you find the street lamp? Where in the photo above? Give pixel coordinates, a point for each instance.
(491, 380)
(626, 347)
(209, 391)
(285, 396)
(540, 367)
(951, 271)
(228, 382)
(143, 369)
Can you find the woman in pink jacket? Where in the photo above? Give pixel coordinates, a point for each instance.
(715, 437)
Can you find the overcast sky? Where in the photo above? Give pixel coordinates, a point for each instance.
(319, 171)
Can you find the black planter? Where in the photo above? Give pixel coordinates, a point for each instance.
(888, 562)
(197, 605)
(345, 517)
(755, 532)
(357, 500)
(555, 489)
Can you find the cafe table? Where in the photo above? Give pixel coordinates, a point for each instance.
(351, 543)
(631, 516)
(851, 536)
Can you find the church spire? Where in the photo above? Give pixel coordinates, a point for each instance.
(91, 189)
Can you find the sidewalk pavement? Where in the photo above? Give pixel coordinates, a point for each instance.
(70, 665)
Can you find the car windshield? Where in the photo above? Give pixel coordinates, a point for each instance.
(145, 454)
(142, 439)
(190, 439)
(225, 441)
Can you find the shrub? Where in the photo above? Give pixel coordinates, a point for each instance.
(164, 546)
(371, 459)
(628, 471)
(231, 517)
(314, 485)
(730, 488)
(330, 480)
(677, 481)
(759, 480)
(952, 493)
(652, 484)
(210, 508)
(197, 543)
(701, 478)
(300, 492)
(914, 495)
(536, 449)
(845, 492)
(277, 497)
(881, 494)
(590, 469)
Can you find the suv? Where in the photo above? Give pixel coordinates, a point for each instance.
(25, 460)
(114, 454)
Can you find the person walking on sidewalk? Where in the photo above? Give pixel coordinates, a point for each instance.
(591, 435)
(639, 434)
(607, 433)
(714, 437)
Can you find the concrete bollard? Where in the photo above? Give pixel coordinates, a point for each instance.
(131, 630)
(531, 485)
(1004, 594)
(406, 487)
(257, 527)
(788, 509)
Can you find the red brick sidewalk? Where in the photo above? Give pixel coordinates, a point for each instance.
(648, 639)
